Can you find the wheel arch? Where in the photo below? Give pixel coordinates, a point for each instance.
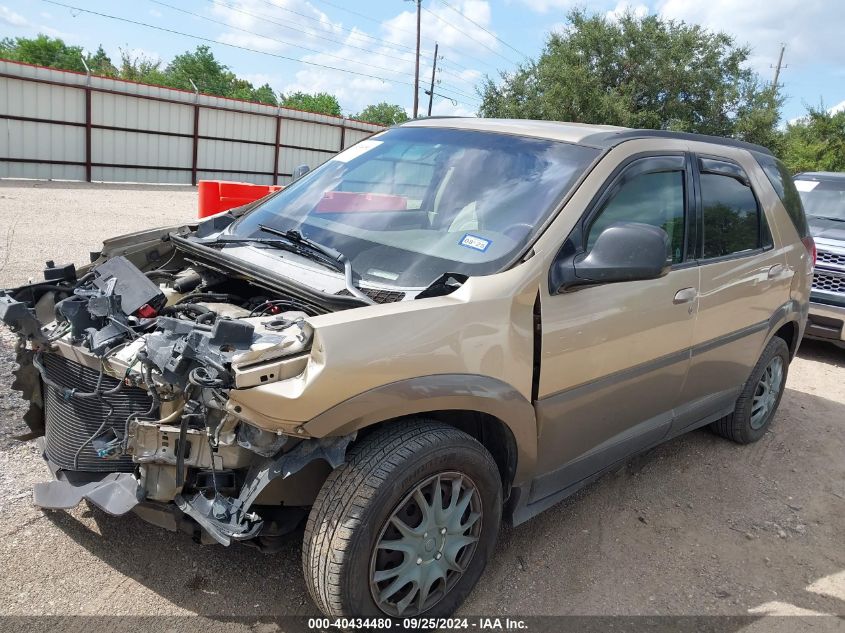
(489, 410)
(788, 323)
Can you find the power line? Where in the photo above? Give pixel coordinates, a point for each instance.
(273, 39)
(447, 23)
(409, 32)
(220, 43)
(362, 15)
(469, 19)
(448, 87)
(352, 32)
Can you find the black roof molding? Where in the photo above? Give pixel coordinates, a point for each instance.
(613, 138)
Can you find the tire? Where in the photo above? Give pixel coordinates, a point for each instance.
(356, 508)
(744, 425)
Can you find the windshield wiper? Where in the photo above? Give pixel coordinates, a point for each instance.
(286, 246)
(824, 217)
(295, 237)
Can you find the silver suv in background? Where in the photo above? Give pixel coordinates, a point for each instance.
(823, 196)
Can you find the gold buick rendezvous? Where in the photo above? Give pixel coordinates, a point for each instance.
(452, 322)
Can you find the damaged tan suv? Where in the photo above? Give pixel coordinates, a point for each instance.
(453, 321)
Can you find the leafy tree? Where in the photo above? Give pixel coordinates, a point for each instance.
(320, 102)
(44, 51)
(101, 64)
(200, 66)
(383, 114)
(643, 72)
(815, 142)
(265, 94)
(245, 90)
(140, 68)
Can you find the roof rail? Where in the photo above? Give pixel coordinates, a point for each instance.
(613, 138)
(821, 175)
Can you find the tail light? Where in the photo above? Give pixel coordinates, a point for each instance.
(810, 245)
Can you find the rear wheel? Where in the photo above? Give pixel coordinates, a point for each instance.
(759, 399)
(406, 526)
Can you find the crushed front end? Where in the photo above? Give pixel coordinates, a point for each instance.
(128, 364)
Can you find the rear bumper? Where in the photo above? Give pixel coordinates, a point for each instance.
(826, 322)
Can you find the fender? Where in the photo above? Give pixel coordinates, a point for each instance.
(440, 392)
(792, 311)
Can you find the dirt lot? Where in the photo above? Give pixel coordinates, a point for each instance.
(699, 526)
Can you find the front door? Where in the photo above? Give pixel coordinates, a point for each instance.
(614, 357)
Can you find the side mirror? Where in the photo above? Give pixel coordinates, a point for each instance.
(299, 172)
(624, 251)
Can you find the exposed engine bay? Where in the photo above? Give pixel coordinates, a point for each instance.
(128, 363)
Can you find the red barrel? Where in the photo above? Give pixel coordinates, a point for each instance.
(216, 196)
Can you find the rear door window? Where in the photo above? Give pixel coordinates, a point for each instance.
(781, 180)
(732, 220)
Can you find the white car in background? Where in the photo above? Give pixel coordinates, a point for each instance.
(823, 196)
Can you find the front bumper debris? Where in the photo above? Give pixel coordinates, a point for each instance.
(228, 519)
(113, 493)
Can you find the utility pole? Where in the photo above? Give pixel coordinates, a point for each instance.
(417, 65)
(779, 66)
(433, 70)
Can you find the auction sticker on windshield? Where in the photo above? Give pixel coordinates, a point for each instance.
(474, 242)
(357, 150)
(806, 185)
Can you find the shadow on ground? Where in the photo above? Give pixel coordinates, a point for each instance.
(822, 352)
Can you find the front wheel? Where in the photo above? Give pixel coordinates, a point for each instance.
(405, 527)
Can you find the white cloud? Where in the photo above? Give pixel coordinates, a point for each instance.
(639, 10)
(275, 27)
(16, 20)
(11, 18)
(839, 107)
(811, 30)
(155, 13)
(384, 55)
(544, 6)
(447, 27)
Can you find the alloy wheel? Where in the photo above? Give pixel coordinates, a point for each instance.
(766, 393)
(426, 544)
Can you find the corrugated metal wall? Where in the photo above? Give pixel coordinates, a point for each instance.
(66, 126)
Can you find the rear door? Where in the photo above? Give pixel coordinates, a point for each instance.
(614, 357)
(744, 280)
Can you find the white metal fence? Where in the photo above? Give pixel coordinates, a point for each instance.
(64, 125)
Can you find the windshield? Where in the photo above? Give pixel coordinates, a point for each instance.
(823, 198)
(409, 204)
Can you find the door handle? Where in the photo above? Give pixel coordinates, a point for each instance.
(684, 295)
(775, 270)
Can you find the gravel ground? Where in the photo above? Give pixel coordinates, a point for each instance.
(696, 527)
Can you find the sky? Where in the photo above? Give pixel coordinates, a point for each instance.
(362, 50)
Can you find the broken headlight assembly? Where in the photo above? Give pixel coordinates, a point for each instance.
(128, 364)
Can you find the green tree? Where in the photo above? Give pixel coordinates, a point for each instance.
(201, 67)
(815, 142)
(642, 72)
(320, 102)
(101, 64)
(383, 114)
(140, 68)
(265, 94)
(44, 51)
(245, 90)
